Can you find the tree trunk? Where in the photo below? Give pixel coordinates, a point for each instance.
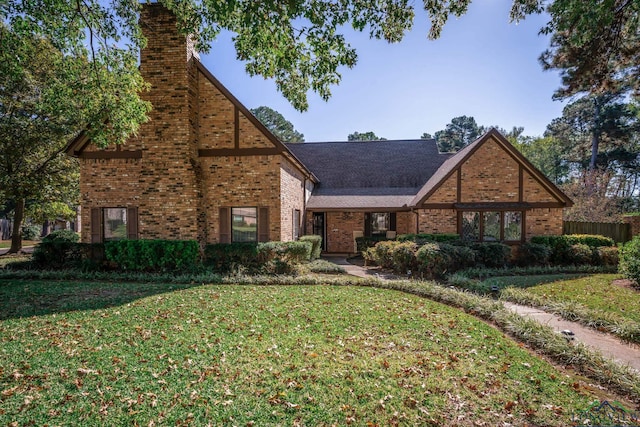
(16, 238)
(595, 135)
(46, 228)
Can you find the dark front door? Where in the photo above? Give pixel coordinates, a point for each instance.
(319, 228)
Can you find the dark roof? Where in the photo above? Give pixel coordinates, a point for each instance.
(373, 165)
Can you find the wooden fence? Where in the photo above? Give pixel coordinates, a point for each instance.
(620, 232)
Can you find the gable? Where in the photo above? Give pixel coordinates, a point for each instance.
(489, 174)
(491, 170)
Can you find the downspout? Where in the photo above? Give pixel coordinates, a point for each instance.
(304, 206)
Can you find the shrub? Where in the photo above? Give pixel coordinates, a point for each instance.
(606, 255)
(153, 255)
(461, 256)
(31, 232)
(363, 243)
(630, 260)
(531, 254)
(282, 257)
(316, 242)
(579, 254)
(492, 254)
(423, 238)
(561, 245)
(404, 256)
(432, 262)
(58, 249)
(383, 253)
(225, 257)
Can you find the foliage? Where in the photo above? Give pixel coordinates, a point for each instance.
(579, 253)
(561, 246)
(30, 232)
(316, 242)
(382, 253)
(594, 45)
(461, 256)
(548, 154)
(404, 257)
(57, 249)
(606, 255)
(41, 212)
(324, 266)
(153, 255)
(531, 253)
(630, 260)
(364, 136)
(432, 261)
(491, 254)
(269, 257)
(276, 123)
(363, 243)
(422, 238)
(458, 134)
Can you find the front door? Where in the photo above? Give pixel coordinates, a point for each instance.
(319, 228)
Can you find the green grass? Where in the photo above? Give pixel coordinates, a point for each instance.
(8, 259)
(595, 292)
(5, 244)
(114, 354)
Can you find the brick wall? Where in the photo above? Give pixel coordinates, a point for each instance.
(437, 221)
(447, 192)
(534, 191)
(405, 222)
(546, 221)
(163, 183)
(291, 198)
(490, 175)
(340, 228)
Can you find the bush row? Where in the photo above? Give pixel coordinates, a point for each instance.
(61, 249)
(433, 260)
(630, 260)
(572, 248)
(532, 254)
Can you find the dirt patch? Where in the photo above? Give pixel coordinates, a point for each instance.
(625, 283)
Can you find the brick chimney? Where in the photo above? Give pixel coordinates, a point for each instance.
(169, 139)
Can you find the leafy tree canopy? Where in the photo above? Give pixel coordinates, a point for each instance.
(298, 43)
(364, 136)
(460, 132)
(277, 124)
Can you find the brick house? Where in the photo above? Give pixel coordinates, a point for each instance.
(204, 168)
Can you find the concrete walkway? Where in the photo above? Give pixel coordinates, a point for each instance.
(608, 345)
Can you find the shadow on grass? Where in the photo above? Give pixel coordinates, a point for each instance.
(25, 298)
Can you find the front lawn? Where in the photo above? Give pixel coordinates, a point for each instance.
(115, 354)
(596, 292)
(5, 244)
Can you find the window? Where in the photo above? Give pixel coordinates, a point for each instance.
(379, 223)
(491, 226)
(113, 224)
(244, 224)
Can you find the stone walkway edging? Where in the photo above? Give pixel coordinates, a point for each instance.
(609, 345)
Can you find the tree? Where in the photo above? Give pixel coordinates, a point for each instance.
(459, 133)
(426, 135)
(547, 154)
(277, 124)
(364, 136)
(39, 112)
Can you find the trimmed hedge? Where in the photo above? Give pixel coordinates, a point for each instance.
(531, 254)
(423, 238)
(364, 243)
(153, 255)
(492, 254)
(316, 242)
(561, 246)
(268, 257)
(630, 260)
(58, 249)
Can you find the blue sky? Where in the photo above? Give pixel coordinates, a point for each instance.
(481, 66)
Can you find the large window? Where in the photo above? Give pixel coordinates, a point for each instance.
(380, 223)
(492, 226)
(244, 224)
(115, 223)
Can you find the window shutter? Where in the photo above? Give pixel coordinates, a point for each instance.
(263, 224)
(132, 223)
(225, 230)
(367, 224)
(392, 221)
(96, 225)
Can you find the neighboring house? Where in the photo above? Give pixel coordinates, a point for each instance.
(205, 168)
